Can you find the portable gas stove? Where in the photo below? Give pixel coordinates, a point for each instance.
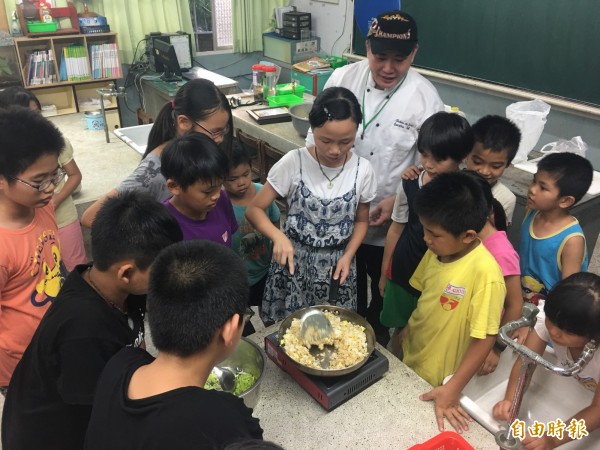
(329, 392)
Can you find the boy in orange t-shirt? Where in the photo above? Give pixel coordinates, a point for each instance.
(31, 271)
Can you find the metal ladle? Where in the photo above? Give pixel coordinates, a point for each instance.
(226, 378)
(315, 327)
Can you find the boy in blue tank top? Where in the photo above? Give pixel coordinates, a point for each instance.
(552, 244)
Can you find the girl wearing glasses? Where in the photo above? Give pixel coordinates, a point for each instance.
(69, 228)
(199, 106)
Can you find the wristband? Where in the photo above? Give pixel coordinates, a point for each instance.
(499, 347)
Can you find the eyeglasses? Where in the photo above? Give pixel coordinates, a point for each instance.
(214, 134)
(55, 180)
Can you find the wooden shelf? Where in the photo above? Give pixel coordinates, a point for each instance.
(66, 95)
(67, 12)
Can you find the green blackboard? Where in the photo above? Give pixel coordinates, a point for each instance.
(549, 46)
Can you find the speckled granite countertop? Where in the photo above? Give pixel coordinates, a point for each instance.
(386, 415)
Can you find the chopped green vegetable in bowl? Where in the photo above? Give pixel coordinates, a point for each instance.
(243, 382)
(212, 382)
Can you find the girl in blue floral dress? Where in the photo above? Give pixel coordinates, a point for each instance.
(328, 189)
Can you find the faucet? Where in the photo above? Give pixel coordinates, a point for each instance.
(110, 91)
(529, 359)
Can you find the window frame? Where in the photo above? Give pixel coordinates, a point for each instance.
(216, 49)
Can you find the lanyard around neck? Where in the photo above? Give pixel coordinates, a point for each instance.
(365, 122)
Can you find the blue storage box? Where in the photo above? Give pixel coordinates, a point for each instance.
(92, 21)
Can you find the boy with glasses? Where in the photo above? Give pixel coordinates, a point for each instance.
(31, 270)
(100, 310)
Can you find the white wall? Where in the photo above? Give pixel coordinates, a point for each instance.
(331, 22)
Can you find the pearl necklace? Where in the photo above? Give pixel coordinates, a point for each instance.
(99, 292)
(330, 180)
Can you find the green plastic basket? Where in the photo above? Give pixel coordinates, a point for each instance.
(284, 100)
(287, 89)
(41, 27)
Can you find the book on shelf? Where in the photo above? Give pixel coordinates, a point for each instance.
(40, 68)
(104, 60)
(74, 64)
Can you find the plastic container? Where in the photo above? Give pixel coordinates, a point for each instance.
(257, 82)
(284, 100)
(269, 81)
(446, 440)
(313, 82)
(93, 120)
(287, 89)
(336, 61)
(41, 27)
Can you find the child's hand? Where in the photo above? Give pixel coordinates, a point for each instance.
(501, 410)
(447, 406)
(342, 269)
(490, 363)
(382, 212)
(382, 283)
(412, 173)
(535, 443)
(520, 334)
(283, 252)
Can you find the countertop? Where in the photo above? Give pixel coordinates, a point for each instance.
(386, 415)
(282, 136)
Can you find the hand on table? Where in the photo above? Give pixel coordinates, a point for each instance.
(447, 406)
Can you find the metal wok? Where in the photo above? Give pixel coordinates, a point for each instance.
(344, 314)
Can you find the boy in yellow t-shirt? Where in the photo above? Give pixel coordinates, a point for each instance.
(462, 290)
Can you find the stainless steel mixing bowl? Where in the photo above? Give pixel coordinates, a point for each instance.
(250, 358)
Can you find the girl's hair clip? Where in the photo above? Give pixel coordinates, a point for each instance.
(327, 113)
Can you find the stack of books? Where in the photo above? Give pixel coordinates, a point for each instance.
(105, 61)
(41, 68)
(74, 64)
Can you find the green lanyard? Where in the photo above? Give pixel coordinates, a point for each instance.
(366, 123)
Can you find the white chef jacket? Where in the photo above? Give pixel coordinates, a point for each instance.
(390, 140)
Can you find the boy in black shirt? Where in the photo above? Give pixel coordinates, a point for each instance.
(197, 297)
(98, 311)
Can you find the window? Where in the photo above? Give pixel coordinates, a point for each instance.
(212, 24)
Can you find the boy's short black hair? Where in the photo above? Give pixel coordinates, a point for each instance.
(193, 157)
(498, 133)
(25, 136)
(453, 201)
(194, 288)
(132, 225)
(572, 173)
(239, 155)
(446, 135)
(573, 305)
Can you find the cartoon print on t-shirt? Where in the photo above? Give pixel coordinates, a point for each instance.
(53, 270)
(533, 290)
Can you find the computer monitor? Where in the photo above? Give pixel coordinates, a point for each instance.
(164, 53)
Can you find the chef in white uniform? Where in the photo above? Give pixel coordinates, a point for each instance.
(395, 101)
